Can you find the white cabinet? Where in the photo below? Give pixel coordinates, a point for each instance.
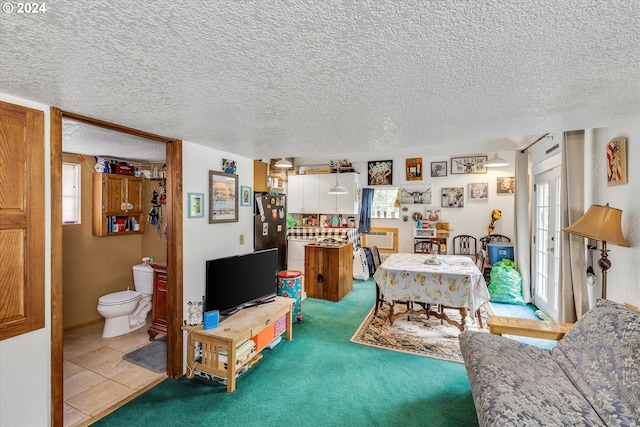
(308, 194)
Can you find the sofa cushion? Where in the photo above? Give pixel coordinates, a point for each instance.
(518, 384)
(601, 356)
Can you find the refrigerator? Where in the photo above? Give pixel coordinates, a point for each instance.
(270, 225)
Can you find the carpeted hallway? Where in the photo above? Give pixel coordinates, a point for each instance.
(318, 379)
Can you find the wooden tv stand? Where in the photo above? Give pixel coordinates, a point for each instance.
(246, 324)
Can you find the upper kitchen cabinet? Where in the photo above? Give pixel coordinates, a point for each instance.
(118, 203)
(308, 194)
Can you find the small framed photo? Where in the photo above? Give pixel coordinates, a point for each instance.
(229, 166)
(479, 190)
(438, 169)
(245, 195)
(414, 169)
(453, 197)
(196, 205)
(223, 197)
(471, 164)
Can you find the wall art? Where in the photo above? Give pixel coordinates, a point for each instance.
(452, 197)
(438, 169)
(196, 205)
(229, 166)
(245, 195)
(380, 172)
(415, 194)
(506, 184)
(414, 169)
(479, 190)
(470, 164)
(617, 161)
(223, 197)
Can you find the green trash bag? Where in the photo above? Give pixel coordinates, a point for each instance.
(291, 222)
(506, 283)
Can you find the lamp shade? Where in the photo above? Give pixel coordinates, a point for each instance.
(496, 162)
(601, 223)
(338, 189)
(283, 163)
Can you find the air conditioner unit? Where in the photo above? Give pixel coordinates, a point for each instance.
(383, 240)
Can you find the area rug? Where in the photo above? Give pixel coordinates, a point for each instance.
(428, 337)
(152, 356)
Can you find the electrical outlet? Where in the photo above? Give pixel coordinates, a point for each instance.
(242, 239)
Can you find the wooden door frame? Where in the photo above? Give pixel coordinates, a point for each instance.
(173, 216)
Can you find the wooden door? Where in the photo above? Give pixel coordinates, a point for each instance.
(21, 220)
(114, 193)
(134, 194)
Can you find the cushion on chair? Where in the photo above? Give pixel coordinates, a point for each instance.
(516, 384)
(601, 356)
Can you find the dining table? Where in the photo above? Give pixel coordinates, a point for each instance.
(434, 282)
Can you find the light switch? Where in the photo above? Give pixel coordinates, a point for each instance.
(242, 239)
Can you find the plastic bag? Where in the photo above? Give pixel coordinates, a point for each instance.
(506, 283)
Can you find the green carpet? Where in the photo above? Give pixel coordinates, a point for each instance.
(317, 379)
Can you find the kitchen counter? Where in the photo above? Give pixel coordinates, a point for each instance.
(344, 235)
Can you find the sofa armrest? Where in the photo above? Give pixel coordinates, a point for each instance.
(499, 325)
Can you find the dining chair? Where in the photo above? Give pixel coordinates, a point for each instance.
(465, 244)
(375, 254)
(426, 247)
(493, 238)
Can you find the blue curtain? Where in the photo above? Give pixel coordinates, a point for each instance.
(365, 210)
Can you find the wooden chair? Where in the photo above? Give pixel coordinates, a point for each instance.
(493, 238)
(465, 244)
(375, 254)
(426, 247)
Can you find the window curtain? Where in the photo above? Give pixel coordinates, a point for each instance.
(365, 210)
(522, 208)
(574, 300)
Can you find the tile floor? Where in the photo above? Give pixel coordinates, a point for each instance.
(96, 376)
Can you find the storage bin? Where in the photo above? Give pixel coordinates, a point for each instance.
(290, 286)
(499, 251)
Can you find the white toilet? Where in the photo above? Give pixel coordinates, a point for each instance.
(126, 311)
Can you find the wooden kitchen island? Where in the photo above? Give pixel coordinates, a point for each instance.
(328, 270)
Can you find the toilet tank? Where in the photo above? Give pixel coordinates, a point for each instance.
(143, 278)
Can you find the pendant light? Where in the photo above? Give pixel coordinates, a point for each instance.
(496, 161)
(283, 163)
(338, 189)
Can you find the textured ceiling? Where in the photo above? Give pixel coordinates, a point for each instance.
(272, 78)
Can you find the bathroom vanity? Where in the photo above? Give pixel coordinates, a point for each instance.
(159, 311)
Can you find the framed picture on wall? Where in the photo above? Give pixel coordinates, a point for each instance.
(470, 164)
(617, 161)
(196, 205)
(223, 197)
(452, 197)
(479, 190)
(245, 195)
(506, 184)
(415, 194)
(438, 169)
(414, 169)
(380, 172)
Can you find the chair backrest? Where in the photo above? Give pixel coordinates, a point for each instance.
(493, 238)
(426, 247)
(464, 244)
(375, 253)
(480, 260)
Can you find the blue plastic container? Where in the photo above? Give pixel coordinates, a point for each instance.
(499, 251)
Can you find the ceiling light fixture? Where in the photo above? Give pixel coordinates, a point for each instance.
(496, 162)
(338, 189)
(283, 163)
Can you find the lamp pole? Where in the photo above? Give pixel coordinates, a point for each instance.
(604, 264)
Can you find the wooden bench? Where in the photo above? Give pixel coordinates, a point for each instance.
(499, 325)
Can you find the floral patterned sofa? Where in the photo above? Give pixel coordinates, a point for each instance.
(591, 377)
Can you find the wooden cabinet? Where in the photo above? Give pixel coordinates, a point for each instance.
(308, 194)
(160, 297)
(328, 271)
(118, 203)
(233, 332)
(260, 176)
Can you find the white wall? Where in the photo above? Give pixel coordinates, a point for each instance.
(25, 360)
(622, 277)
(204, 241)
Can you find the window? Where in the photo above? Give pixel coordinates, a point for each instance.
(384, 201)
(71, 193)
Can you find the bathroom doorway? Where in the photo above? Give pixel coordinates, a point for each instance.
(172, 217)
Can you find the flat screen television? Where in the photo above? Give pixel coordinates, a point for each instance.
(241, 281)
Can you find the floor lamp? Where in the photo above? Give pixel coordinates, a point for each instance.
(602, 223)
